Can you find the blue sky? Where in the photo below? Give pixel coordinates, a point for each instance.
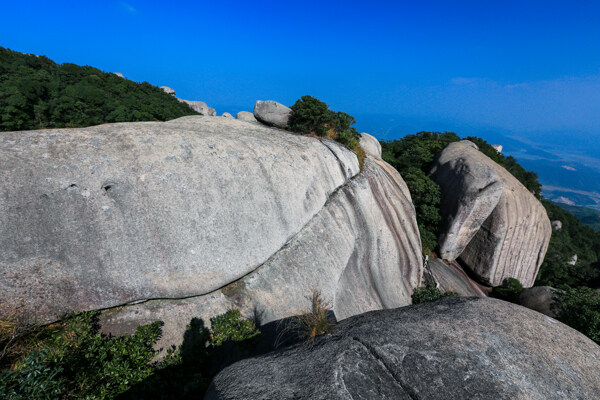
(525, 68)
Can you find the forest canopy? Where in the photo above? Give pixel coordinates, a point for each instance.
(36, 92)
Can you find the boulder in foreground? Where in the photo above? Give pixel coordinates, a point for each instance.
(455, 348)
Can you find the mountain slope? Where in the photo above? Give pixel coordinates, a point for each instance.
(36, 92)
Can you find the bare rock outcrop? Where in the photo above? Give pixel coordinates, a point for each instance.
(490, 221)
(191, 217)
(451, 349)
(272, 113)
(201, 107)
(168, 90)
(227, 115)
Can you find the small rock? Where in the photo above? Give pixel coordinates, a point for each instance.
(272, 113)
(573, 260)
(557, 225)
(497, 147)
(227, 115)
(246, 116)
(120, 75)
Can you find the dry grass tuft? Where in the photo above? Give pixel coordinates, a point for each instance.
(312, 322)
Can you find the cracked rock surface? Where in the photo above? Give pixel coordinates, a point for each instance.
(455, 348)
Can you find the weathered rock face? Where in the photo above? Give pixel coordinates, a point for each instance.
(272, 113)
(370, 145)
(489, 219)
(200, 107)
(246, 116)
(227, 115)
(168, 90)
(120, 75)
(539, 298)
(362, 251)
(497, 147)
(220, 212)
(455, 348)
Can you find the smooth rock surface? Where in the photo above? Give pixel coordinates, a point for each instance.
(272, 113)
(497, 147)
(246, 116)
(168, 90)
(103, 216)
(120, 75)
(362, 251)
(201, 107)
(227, 115)
(539, 298)
(455, 348)
(489, 219)
(370, 145)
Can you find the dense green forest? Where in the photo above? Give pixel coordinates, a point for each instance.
(588, 216)
(36, 92)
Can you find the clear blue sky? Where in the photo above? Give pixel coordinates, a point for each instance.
(521, 67)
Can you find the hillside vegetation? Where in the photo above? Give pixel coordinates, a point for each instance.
(588, 216)
(577, 304)
(36, 92)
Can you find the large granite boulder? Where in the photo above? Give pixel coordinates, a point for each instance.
(490, 221)
(272, 113)
(191, 217)
(246, 116)
(201, 107)
(455, 348)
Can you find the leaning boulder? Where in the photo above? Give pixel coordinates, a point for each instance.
(246, 116)
(490, 221)
(452, 349)
(168, 90)
(272, 113)
(187, 218)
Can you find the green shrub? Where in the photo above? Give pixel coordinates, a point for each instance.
(33, 378)
(429, 293)
(580, 309)
(510, 290)
(79, 362)
(232, 326)
(312, 116)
